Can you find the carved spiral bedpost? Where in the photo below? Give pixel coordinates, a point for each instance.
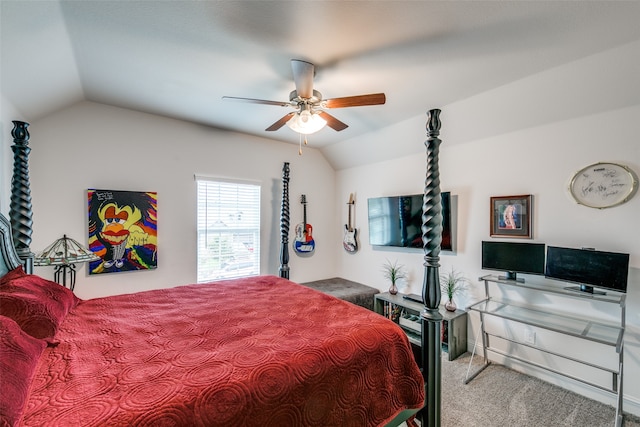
(284, 223)
(20, 210)
(431, 241)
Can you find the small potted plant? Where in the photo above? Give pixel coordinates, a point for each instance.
(451, 284)
(394, 272)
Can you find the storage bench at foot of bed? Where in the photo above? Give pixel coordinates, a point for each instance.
(354, 292)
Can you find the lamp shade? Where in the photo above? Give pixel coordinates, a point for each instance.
(306, 122)
(65, 251)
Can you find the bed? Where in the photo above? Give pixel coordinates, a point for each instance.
(256, 351)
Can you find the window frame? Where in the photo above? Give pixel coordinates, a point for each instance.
(233, 216)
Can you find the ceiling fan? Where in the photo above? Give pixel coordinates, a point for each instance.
(310, 115)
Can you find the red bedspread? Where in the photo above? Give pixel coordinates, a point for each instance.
(249, 352)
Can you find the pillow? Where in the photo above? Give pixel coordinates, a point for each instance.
(19, 355)
(38, 305)
(13, 274)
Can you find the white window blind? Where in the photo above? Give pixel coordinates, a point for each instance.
(228, 229)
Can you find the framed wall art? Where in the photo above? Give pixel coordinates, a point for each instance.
(123, 230)
(510, 216)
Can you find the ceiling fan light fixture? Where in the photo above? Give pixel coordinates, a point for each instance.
(306, 122)
(311, 116)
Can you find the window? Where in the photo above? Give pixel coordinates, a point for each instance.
(228, 229)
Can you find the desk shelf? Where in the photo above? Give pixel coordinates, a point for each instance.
(601, 332)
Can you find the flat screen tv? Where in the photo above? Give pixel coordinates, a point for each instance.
(513, 258)
(589, 268)
(397, 221)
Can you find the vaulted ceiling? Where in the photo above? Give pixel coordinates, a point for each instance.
(178, 58)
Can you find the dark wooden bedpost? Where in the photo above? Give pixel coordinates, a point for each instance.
(284, 223)
(431, 241)
(20, 210)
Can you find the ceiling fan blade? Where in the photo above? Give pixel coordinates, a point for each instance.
(356, 101)
(277, 125)
(332, 122)
(303, 72)
(257, 101)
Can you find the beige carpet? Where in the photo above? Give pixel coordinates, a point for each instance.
(503, 397)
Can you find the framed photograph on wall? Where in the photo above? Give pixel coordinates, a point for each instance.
(510, 216)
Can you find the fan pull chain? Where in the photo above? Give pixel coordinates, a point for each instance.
(300, 142)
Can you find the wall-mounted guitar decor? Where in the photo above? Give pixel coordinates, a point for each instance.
(304, 242)
(350, 241)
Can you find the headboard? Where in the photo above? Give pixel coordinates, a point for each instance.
(8, 257)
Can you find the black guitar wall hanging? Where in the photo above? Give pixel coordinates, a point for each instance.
(304, 243)
(350, 241)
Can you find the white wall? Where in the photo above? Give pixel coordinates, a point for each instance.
(95, 146)
(538, 161)
(586, 111)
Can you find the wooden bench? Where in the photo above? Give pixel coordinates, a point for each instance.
(354, 292)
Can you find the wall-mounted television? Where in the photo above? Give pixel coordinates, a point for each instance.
(513, 258)
(589, 268)
(397, 221)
